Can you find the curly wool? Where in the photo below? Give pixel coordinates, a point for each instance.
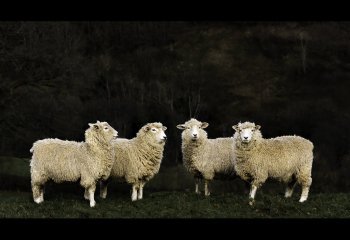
(279, 158)
(61, 160)
(286, 158)
(137, 159)
(208, 158)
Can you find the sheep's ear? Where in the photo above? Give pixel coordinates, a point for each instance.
(90, 124)
(164, 128)
(98, 121)
(96, 126)
(181, 126)
(204, 125)
(257, 127)
(147, 128)
(235, 127)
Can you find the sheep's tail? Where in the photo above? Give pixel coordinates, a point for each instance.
(311, 145)
(31, 160)
(32, 149)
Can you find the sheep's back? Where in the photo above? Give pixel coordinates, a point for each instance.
(285, 155)
(58, 159)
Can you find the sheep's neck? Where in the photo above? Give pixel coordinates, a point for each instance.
(152, 152)
(192, 149)
(243, 148)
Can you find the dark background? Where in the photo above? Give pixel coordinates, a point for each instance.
(289, 77)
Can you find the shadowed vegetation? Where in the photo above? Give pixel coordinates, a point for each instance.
(174, 204)
(229, 199)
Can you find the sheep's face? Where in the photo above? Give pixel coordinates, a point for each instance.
(156, 131)
(104, 129)
(246, 131)
(193, 129)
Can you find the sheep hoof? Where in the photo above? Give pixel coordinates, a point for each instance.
(288, 194)
(251, 202)
(302, 200)
(38, 200)
(92, 204)
(207, 195)
(103, 196)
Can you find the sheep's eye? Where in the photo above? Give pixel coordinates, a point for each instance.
(106, 128)
(153, 130)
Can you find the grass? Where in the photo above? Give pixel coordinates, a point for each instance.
(174, 204)
(66, 200)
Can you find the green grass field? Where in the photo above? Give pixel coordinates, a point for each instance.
(66, 200)
(174, 205)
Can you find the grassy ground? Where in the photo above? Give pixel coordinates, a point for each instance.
(66, 200)
(174, 205)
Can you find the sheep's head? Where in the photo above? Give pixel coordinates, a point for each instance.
(102, 131)
(193, 129)
(155, 132)
(246, 131)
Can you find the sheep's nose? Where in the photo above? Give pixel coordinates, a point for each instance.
(245, 137)
(195, 135)
(164, 137)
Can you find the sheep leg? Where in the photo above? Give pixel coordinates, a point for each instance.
(103, 189)
(197, 182)
(134, 192)
(304, 194)
(206, 188)
(91, 190)
(86, 194)
(140, 192)
(38, 193)
(290, 188)
(252, 194)
(42, 193)
(305, 180)
(305, 190)
(38, 182)
(247, 184)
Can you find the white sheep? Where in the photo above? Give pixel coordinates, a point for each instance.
(286, 158)
(137, 160)
(205, 158)
(68, 160)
